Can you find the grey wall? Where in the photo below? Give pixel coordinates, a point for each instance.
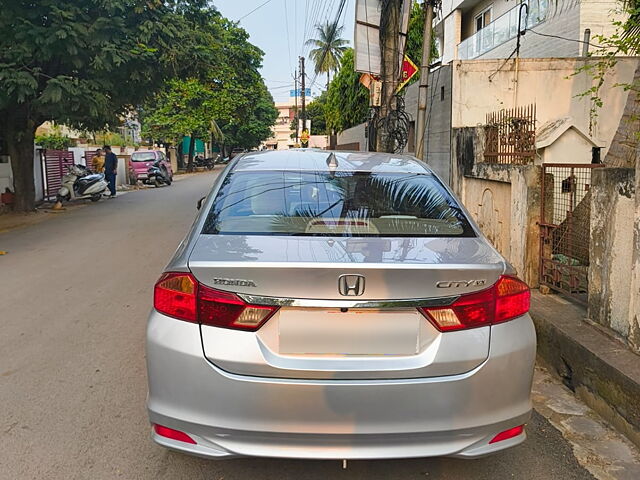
(351, 136)
(437, 140)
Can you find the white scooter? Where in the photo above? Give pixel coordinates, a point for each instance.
(79, 183)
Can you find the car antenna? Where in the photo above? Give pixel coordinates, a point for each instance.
(332, 161)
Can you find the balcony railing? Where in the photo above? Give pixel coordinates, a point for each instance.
(502, 29)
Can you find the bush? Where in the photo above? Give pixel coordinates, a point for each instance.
(54, 141)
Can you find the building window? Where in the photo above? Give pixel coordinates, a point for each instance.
(442, 94)
(483, 19)
(595, 155)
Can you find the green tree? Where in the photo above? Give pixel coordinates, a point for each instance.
(315, 112)
(625, 41)
(415, 36)
(85, 63)
(329, 48)
(54, 141)
(347, 99)
(229, 99)
(183, 108)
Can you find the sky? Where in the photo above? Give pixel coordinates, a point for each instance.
(278, 29)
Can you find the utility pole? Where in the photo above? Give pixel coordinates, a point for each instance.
(423, 87)
(390, 69)
(303, 98)
(295, 114)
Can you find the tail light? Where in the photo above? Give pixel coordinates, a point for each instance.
(181, 296)
(507, 299)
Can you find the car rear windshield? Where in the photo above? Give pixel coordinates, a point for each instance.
(357, 204)
(143, 156)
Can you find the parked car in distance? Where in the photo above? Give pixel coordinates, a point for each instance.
(234, 152)
(141, 160)
(336, 305)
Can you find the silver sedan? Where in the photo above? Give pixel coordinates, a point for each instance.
(337, 306)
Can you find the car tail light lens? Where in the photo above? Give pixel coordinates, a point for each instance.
(175, 294)
(179, 295)
(507, 434)
(173, 434)
(224, 309)
(507, 299)
(512, 299)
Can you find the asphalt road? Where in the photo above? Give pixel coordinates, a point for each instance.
(74, 295)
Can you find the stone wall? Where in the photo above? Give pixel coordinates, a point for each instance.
(614, 252)
(504, 200)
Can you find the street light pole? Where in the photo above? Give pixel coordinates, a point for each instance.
(303, 98)
(423, 87)
(295, 114)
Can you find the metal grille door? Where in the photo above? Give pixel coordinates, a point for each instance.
(565, 228)
(55, 163)
(510, 136)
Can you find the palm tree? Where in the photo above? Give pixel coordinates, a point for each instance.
(329, 48)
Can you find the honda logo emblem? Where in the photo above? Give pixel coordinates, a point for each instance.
(351, 285)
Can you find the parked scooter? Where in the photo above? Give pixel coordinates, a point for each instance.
(158, 174)
(80, 183)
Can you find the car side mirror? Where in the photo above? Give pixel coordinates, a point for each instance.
(199, 204)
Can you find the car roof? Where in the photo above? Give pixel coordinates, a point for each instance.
(308, 159)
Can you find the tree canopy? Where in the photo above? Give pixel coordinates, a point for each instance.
(415, 36)
(347, 99)
(86, 63)
(347, 102)
(329, 48)
(229, 99)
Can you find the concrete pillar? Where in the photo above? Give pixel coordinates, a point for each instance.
(612, 299)
(457, 29)
(525, 216)
(634, 304)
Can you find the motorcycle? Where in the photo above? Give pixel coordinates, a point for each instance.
(207, 163)
(80, 183)
(157, 174)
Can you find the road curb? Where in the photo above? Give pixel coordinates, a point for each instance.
(601, 370)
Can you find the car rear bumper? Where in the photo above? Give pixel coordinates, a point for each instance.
(235, 415)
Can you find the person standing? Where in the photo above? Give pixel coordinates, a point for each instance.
(97, 162)
(110, 169)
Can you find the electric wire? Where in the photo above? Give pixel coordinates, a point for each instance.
(331, 34)
(257, 8)
(312, 27)
(286, 22)
(563, 38)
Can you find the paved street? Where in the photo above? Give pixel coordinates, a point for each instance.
(74, 294)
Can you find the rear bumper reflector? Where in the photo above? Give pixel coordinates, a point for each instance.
(507, 434)
(173, 434)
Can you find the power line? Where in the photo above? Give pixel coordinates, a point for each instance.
(286, 22)
(564, 38)
(257, 8)
(311, 25)
(331, 33)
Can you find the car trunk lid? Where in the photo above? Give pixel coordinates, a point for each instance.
(374, 331)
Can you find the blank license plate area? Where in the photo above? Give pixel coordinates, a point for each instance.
(316, 331)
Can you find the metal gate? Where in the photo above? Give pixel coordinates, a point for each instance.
(565, 228)
(510, 136)
(54, 163)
